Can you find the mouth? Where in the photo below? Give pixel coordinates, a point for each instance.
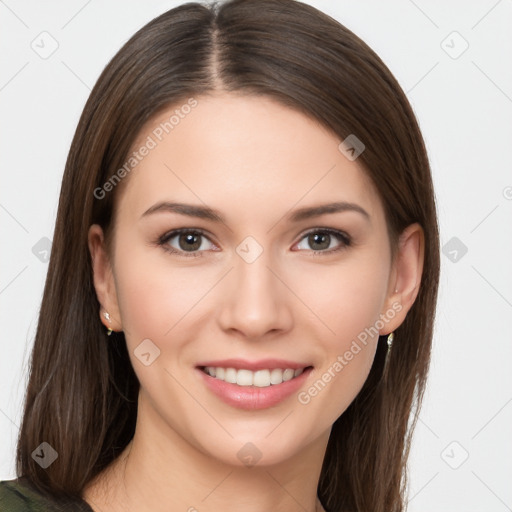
(259, 378)
(253, 385)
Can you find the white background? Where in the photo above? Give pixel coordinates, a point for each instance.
(464, 106)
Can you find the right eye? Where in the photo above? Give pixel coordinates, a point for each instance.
(185, 242)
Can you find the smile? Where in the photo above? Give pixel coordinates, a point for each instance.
(259, 378)
(253, 384)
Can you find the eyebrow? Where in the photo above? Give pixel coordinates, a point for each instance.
(204, 212)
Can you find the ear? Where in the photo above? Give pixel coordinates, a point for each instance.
(103, 279)
(405, 278)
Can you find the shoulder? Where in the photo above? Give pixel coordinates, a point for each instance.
(19, 495)
(14, 496)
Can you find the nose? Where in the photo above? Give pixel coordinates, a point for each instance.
(255, 300)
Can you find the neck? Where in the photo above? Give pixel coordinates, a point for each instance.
(160, 471)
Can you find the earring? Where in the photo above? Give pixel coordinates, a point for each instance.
(389, 342)
(107, 316)
(391, 337)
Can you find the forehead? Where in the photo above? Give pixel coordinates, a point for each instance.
(245, 153)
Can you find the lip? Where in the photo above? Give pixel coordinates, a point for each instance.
(262, 364)
(253, 397)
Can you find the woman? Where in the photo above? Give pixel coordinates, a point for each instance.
(239, 304)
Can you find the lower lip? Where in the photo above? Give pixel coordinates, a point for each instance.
(253, 397)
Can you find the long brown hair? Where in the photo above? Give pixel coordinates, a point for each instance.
(82, 391)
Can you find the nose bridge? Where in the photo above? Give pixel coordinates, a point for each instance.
(256, 301)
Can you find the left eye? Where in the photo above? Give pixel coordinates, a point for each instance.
(321, 240)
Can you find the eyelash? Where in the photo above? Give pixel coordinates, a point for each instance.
(345, 240)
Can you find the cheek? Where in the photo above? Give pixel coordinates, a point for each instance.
(345, 298)
(153, 295)
(348, 301)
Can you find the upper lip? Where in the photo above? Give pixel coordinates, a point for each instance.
(262, 364)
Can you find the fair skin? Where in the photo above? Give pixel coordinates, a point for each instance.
(256, 162)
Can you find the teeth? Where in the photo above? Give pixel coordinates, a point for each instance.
(288, 374)
(259, 378)
(276, 376)
(244, 378)
(230, 375)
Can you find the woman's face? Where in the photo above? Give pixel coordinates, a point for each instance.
(264, 277)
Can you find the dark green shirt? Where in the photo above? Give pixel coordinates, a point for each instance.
(19, 495)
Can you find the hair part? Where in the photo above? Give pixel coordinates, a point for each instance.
(82, 391)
